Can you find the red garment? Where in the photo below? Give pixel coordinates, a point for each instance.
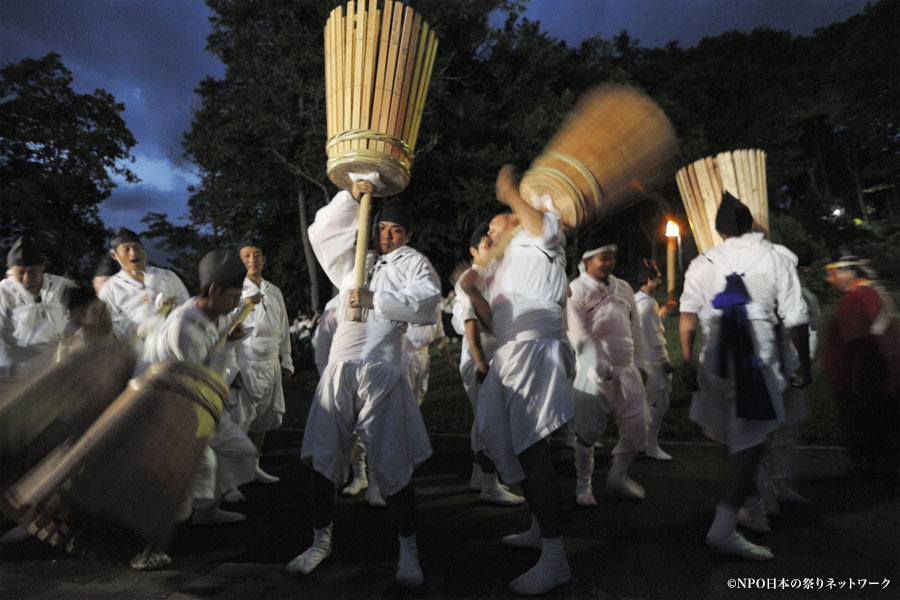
(862, 367)
(852, 321)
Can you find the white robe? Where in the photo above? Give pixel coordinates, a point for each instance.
(230, 458)
(363, 388)
(28, 327)
(659, 383)
(463, 311)
(324, 333)
(604, 329)
(132, 303)
(417, 342)
(259, 405)
(773, 285)
(525, 396)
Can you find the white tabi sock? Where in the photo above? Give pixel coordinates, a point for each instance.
(618, 483)
(584, 467)
(752, 515)
(373, 494)
(723, 537)
(494, 493)
(551, 570)
(263, 477)
(360, 481)
(475, 479)
(315, 554)
(409, 573)
(526, 539)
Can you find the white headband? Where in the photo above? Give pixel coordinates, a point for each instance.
(600, 250)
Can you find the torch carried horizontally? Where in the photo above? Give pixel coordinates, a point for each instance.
(378, 65)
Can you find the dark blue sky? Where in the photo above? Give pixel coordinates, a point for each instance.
(150, 55)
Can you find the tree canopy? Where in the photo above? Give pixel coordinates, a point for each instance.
(58, 151)
(823, 107)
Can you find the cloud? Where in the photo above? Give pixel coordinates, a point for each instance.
(126, 206)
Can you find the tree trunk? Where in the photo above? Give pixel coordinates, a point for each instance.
(308, 253)
(857, 184)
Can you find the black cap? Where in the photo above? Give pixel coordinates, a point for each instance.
(249, 240)
(124, 236)
(733, 218)
(222, 267)
(24, 253)
(395, 211)
(107, 267)
(480, 232)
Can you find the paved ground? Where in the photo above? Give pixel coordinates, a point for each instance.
(845, 543)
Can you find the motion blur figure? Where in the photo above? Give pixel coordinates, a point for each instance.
(32, 307)
(862, 363)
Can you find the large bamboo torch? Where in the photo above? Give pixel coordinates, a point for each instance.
(671, 247)
(378, 65)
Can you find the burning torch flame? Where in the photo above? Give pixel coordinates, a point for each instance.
(671, 229)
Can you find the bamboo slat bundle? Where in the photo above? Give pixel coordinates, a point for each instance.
(611, 149)
(701, 184)
(378, 64)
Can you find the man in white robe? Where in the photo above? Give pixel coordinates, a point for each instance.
(604, 329)
(197, 331)
(363, 390)
(32, 307)
(263, 357)
(737, 291)
(525, 396)
(478, 345)
(138, 291)
(659, 369)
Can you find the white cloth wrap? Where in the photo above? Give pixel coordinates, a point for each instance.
(259, 405)
(371, 400)
(773, 285)
(324, 333)
(525, 396)
(27, 325)
(131, 303)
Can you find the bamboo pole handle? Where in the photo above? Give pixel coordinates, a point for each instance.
(362, 248)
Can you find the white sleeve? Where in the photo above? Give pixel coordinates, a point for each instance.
(791, 305)
(415, 302)
(333, 236)
(650, 325)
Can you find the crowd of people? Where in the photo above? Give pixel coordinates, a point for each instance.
(539, 353)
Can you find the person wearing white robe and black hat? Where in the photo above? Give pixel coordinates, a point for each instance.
(193, 333)
(32, 307)
(363, 390)
(263, 357)
(736, 291)
(138, 291)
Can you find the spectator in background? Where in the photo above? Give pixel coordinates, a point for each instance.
(659, 369)
(862, 363)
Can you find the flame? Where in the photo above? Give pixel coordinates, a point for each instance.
(671, 229)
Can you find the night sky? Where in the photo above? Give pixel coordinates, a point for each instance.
(150, 55)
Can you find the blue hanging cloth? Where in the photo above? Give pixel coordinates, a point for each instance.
(736, 342)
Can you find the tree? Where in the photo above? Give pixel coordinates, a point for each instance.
(58, 151)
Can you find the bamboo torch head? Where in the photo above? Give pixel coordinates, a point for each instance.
(614, 146)
(701, 184)
(378, 64)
